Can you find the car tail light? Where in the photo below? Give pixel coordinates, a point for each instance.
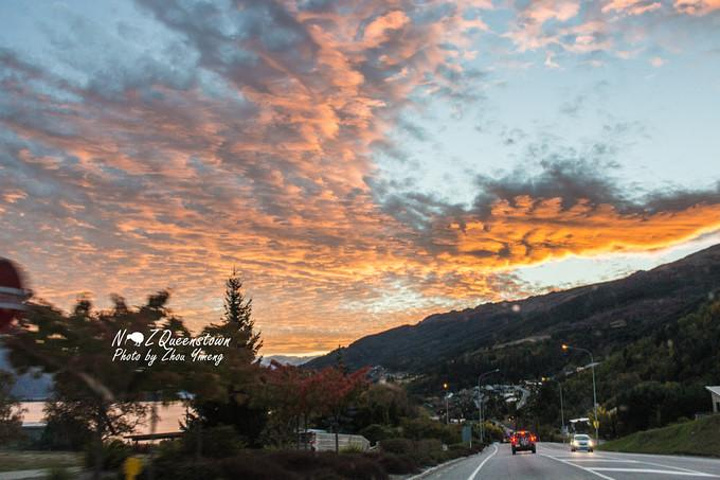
(533, 438)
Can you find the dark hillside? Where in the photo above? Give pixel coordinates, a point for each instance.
(602, 316)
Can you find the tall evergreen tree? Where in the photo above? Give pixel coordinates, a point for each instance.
(237, 374)
(238, 313)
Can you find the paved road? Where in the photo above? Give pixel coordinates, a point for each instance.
(556, 462)
(33, 474)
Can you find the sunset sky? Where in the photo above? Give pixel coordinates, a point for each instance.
(363, 163)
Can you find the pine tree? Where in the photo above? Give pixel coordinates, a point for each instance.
(340, 360)
(237, 375)
(238, 313)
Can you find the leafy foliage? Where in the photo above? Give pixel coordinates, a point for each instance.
(648, 383)
(10, 415)
(297, 396)
(90, 389)
(697, 437)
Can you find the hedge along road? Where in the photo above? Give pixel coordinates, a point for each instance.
(556, 462)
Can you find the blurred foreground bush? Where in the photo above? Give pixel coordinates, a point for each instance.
(114, 453)
(290, 465)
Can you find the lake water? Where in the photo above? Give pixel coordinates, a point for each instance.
(169, 415)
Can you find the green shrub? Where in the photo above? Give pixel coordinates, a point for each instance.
(377, 433)
(493, 433)
(459, 450)
(63, 433)
(216, 442)
(301, 461)
(429, 452)
(256, 467)
(113, 454)
(170, 450)
(357, 467)
(423, 427)
(186, 470)
(397, 464)
(286, 465)
(400, 446)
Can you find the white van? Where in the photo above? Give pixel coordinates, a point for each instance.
(324, 441)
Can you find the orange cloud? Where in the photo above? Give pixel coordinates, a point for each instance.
(529, 231)
(377, 31)
(157, 183)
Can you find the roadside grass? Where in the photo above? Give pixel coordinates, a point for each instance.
(696, 437)
(30, 460)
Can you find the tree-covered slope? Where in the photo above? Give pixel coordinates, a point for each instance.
(697, 437)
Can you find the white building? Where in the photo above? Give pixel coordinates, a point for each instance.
(715, 395)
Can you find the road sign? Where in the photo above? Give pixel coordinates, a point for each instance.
(596, 424)
(466, 434)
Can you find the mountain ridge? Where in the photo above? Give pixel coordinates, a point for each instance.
(602, 314)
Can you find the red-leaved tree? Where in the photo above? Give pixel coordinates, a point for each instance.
(296, 396)
(339, 389)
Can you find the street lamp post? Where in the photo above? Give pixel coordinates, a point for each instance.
(562, 410)
(481, 416)
(596, 422)
(447, 404)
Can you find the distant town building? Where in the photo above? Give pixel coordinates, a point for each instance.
(715, 396)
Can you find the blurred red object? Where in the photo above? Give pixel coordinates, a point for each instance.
(12, 293)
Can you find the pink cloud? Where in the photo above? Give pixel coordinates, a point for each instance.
(631, 7)
(699, 7)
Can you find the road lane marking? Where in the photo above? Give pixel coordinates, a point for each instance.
(679, 469)
(566, 462)
(606, 460)
(655, 471)
(622, 458)
(712, 461)
(482, 464)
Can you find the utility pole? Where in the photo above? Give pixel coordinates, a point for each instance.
(596, 422)
(562, 410)
(447, 403)
(481, 414)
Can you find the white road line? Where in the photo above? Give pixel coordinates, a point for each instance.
(678, 469)
(606, 460)
(618, 458)
(655, 471)
(482, 464)
(710, 460)
(576, 466)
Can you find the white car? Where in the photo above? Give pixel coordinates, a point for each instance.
(580, 441)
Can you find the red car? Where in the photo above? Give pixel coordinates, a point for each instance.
(522, 440)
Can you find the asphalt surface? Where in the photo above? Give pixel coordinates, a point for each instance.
(554, 461)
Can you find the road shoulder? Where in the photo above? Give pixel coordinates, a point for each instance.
(437, 468)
